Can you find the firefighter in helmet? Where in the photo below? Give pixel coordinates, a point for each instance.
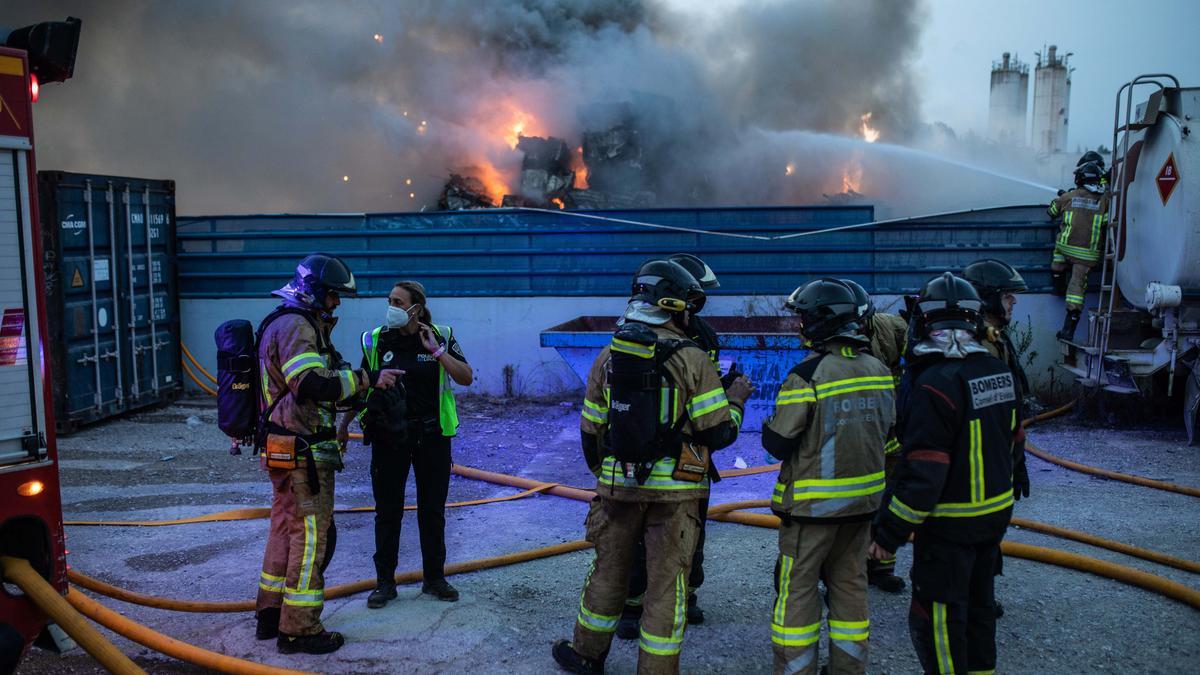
(1083, 216)
(953, 487)
(700, 332)
(888, 337)
(303, 379)
(653, 410)
(832, 415)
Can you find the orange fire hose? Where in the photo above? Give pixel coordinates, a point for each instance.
(262, 512)
(178, 649)
(195, 379)
(1113, 475)
(341, 590)
(18, 571)
(188, 354)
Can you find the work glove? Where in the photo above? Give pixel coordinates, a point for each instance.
(1020, 482)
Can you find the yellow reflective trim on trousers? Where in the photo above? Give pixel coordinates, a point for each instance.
(299, 598)
(669, 646)
(988, 506)
(941, 639)
(589, 619)
(854, 631)
(975, 458)
(270, 589)
(905, 512)
(632, 348)
(803, 636)
(785, 575)
(271, 577)
(310, 552)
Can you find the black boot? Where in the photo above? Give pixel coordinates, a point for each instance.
(380, 596)
(1068, 329)
(268, 624)
(440, 589)
(695, 615)
(629, 626)
(885, 581)
(573, 662)
(324, 642)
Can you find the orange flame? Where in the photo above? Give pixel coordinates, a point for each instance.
(869, 133)
(517, 127)
(559, 203)
(493, 182)
(581, 170)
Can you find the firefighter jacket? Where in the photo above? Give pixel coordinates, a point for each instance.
(703, 334)
(889, 340)
(303, 377)
(832, 415)
(695, 392)
(955, 477)
(999, 345)
(1084, 215)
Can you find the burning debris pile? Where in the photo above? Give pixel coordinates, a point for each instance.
(464, 192)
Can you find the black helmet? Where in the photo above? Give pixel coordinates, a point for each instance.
(948, 302)
(316, 276)
(827, 307)
(992, 279)
(1091, 156)
(866, 306)
(698, 268)
(1090, 173)
(667, 285)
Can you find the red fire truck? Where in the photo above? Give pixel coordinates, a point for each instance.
(31, 523)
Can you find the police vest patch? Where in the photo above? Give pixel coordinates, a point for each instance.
(992, 390)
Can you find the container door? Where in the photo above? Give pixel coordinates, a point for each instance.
(20, 375)
(150, 315)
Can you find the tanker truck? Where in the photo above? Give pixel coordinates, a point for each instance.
(1143, 335)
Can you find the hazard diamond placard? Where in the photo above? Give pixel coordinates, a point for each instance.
(1167, 179)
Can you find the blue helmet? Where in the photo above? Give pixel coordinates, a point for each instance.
(316, 276)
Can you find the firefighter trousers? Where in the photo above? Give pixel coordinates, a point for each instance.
(886, 566)
(836, 554)
(1077, 284)
(637, 575)
(614, 527)
(300, 544)
(952, 619)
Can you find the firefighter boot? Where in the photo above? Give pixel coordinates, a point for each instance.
(695, 615)
(1068, 329)
(573, 662)
(268, 623)
(629, 626)
(380, 596)
(324, 642)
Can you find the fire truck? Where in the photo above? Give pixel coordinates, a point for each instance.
(31, 523)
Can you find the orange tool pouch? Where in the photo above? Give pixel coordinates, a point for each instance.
(692, 465)
(281, 451)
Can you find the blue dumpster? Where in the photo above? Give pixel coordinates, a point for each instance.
(765, 348)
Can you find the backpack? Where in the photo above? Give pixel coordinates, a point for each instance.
(639, 428)
(240, 412)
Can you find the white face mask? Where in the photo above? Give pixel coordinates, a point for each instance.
(396, 317)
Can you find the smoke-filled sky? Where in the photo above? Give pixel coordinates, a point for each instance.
(304, 105)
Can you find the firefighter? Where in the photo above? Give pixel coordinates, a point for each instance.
(888, 337)
(1084, 214)
(832, 415)
(703, 335)
(1093, 156)
(668, 408)
(430, 357)
(953, 487)
(303, 377)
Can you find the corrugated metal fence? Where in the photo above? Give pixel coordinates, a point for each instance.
(506, 252)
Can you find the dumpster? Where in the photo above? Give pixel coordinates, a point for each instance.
(765, 348)
(112, 294)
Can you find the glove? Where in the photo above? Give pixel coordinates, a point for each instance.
(728, 378)
(1020, 482)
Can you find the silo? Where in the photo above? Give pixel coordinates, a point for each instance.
(1051, 102)
(1009, 100)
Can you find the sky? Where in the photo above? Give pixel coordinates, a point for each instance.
(1112, 43)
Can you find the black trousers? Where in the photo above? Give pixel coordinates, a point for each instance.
(429, 456)
(638, 579)
(952, 619)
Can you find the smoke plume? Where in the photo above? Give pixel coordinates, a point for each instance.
(306, 105)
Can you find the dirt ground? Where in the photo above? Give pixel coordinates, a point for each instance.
(172, 463)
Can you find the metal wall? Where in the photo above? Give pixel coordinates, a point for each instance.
(521, 253)
(111, 282)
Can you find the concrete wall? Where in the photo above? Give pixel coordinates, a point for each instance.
(499, 332)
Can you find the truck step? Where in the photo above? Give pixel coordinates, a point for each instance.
(1121, 389)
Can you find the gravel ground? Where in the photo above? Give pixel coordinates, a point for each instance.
(172, 463)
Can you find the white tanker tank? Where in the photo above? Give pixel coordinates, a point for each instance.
(1162, 203)
(1149, 344)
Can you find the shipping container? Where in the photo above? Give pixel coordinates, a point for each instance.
(112, 288)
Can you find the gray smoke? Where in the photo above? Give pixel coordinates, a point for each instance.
(265, 106)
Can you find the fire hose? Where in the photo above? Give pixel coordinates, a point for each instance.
(18, 571)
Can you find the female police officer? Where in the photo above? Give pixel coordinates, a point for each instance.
(430, 358)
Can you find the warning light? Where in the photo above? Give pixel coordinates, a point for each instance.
(31, 489)
(34, 87)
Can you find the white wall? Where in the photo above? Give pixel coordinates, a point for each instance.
(496, 332)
